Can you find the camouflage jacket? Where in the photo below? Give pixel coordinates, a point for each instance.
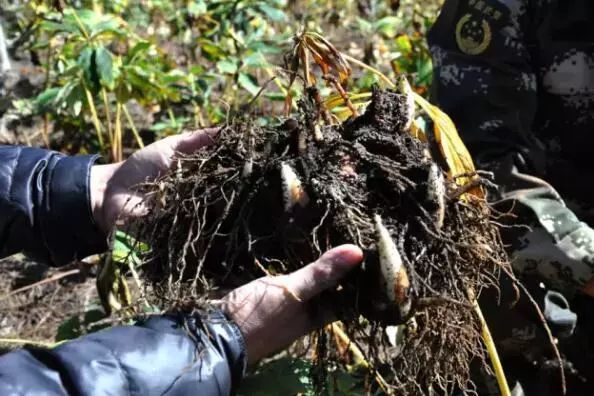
(517, 77)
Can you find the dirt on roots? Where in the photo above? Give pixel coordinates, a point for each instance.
(273, 199)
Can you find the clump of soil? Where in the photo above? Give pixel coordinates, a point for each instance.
(273, 199)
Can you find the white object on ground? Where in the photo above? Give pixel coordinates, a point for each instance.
(4, 58)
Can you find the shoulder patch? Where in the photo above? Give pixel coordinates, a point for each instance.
(473, 34)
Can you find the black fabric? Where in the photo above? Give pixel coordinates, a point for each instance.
(165, 355)
(45, 206)
(45, 212)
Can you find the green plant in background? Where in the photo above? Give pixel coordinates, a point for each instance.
(123, 258)
(292, 376)
(89, 74)
(189, 63)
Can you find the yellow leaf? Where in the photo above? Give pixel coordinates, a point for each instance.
(337, 100)
(343, 113)
(450, 144)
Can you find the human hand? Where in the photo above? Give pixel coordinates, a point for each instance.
(111, 185)
(274, 311)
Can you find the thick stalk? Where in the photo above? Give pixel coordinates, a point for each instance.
(132, 126)
(45, 130)
(172, 118)
(110, 131)
(491, 349)
(94, 116)
(118, 133)
(358, 355)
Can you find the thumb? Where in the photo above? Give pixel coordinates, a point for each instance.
(189, 142)
(325, 272)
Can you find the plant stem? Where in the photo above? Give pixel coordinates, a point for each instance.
(132, 126)
(45, 131)
(81, 26)
(345, 97)
(94, 117)
(359, 357)
(110, 132)
(172, 118)
(18, 342)
(271, 74)
(491, 349)
(118, 133)
(369, 68)
(306, 68)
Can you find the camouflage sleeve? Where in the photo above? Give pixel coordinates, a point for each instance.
(484, 78)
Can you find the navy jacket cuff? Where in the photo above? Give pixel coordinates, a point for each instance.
(69, 227)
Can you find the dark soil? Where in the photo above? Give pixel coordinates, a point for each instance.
(37, 313)
(225, 216)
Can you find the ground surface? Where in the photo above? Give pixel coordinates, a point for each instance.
(37, 313)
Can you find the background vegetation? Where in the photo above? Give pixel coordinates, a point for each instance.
(111, 76)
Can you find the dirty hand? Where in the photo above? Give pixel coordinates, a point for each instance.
(112, 185)
(273, 311)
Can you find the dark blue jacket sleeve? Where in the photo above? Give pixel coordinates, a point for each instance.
(165, 355)
(45, 206)
(45, 212)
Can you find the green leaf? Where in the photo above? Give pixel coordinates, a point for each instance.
(249, 83)
(110, 25)
(23, 107)
(197, 8)
(291, 376)
(227, 66)
(126, 248)
(388, 26)
(212, 51)
(276, 96)
(85, 62)
(424, 71)
(76, 326)
(63, 93)
(404, 44)
(105, 67)
(265, 48)
(46, 99)
(139, 48)
(55, 27)
(273, 13)
(255, 60)
(285, 376)
(364, 25)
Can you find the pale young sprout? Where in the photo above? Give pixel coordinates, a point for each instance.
(293, 191)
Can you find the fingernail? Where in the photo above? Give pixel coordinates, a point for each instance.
(346, 255)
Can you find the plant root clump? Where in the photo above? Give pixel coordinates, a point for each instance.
(265, 200)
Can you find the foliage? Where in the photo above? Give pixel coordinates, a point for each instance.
(78, 325)
(292, 376)
(191, 63)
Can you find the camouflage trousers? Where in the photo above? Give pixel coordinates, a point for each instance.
(553, 255)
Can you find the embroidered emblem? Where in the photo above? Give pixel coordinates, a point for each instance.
(473, 36)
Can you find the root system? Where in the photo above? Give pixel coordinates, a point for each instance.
(272, 199)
